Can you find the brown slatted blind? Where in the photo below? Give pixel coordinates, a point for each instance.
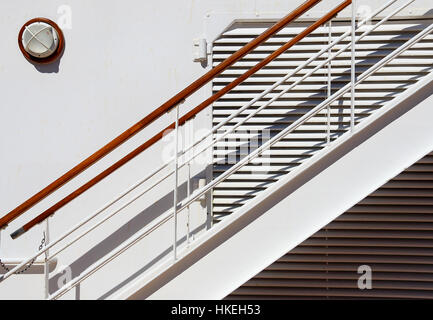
(391, 230)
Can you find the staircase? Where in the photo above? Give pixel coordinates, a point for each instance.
(307, 121)
(348, 171)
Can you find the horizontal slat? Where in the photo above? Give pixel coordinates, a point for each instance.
(414, 176)
(313, 48)
(390, 276)
(386, 217)
(349, 267)
(299, 145)
(373, 242)
(266, 113)
(281, 71)
(318, 39)
(317, 95)
(340, 293)
(321, 79)
(298, 104)
(376, 234)
(382, 226)
(391, 209)
(336, 64)
(292, 30)
(398, 201)
(337, 283)
(348, 251)
(313, 88)
(294, 159)
(314, 128)
(287, 120)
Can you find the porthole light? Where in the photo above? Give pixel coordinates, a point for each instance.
(41, 40)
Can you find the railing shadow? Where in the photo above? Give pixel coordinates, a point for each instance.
(142, 219)
(149, 265)
(337, 107)
(124, 233)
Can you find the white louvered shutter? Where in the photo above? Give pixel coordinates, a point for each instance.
(377, 90)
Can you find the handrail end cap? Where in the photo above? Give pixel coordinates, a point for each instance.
(17, 233)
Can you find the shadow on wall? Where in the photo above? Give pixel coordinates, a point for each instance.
(312, 100)
(124, 233)
(48, 68)
(52, 67)
(139, 272)
(290, 187)
(163, 204)
(429, 13)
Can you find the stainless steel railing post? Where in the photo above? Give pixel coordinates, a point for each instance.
(328, 121)
(353, 74)
(176, 178)
(47, 260)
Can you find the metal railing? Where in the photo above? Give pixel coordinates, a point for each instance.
(182, 205)
(126, 135)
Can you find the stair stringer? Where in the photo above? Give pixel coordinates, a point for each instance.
(298, 205)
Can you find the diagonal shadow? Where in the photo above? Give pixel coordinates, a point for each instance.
(123, 233)
(309, 103)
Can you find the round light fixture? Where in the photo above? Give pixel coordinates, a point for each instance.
(41, 40)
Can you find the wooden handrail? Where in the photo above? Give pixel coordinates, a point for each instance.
(167, 106)
(191, 114)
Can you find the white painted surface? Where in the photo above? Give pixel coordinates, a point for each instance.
(300, 204)
(122, 60)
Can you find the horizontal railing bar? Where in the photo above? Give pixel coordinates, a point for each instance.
(126, 135)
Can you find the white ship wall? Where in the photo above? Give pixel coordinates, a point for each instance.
(122, 60)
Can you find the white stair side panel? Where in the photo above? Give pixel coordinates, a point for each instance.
(299, 204)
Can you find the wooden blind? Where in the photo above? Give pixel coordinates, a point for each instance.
(391, 231)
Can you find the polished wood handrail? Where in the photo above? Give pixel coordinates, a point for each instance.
(167, 106)
(191, 114)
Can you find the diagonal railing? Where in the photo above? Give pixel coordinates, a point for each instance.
(180, 121)
(157, 113)
(198, 193)
(178, 207)
(184, 94)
